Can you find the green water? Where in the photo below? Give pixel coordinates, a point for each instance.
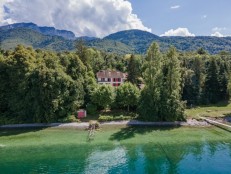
(116, 150)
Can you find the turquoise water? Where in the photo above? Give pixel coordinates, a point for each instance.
(173, 151)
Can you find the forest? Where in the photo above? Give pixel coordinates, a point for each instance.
(43, 86)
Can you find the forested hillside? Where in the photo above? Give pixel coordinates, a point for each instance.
(123, 42)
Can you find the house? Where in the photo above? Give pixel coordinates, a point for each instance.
(114, 78)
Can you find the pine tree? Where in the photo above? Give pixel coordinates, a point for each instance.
(133, 70)
(149, 106)
(223, 82)
(211, 88)
(172, 108)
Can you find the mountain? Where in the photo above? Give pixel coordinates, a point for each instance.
(123, 42)
(51, 31)
(10, 38)
(139, 41)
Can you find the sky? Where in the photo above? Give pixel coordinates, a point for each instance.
(102, 17)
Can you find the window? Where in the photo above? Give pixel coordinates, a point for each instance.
(102, 80)
(119, 79)
(109, 79)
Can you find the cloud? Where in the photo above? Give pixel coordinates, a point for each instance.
(178, 32)
(219, 29)
(217, 34)
(204, 17)
(175, 7)
(3, 11)
(83, 17)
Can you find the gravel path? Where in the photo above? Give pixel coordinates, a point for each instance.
(190, 122)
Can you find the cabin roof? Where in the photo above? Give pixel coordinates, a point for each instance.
(111, 74)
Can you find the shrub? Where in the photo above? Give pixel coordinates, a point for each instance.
(69, 119)
(105, 118)
(115, 118)
(91, 108)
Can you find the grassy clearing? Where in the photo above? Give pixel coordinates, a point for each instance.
(217, 111)
(110, 135)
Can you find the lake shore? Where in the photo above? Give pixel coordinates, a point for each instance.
(84, 125)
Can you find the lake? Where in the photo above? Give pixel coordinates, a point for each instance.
(116, 149)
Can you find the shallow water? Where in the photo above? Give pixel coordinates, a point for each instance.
(121, 150)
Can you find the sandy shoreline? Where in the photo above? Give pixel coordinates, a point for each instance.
(83, 125)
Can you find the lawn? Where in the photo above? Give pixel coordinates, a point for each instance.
(219, 110)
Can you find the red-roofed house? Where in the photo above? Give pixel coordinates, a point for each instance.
(115, 78)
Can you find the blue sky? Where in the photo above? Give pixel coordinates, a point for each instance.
(201, 17)
(102, 17)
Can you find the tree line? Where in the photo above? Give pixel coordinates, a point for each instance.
(44, 86)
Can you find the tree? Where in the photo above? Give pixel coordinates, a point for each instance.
(149, 105)
(211, 89)
(133, 70)
(127, 95)
(223, 81)
(201, 51)
(81, 51)
(52, 94)
(103, 96)
(193, 80)
(161, 96)
(172, 108)
(43, 86)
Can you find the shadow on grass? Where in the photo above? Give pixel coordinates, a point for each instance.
(131, 131)
(25, 128)
(4, 132)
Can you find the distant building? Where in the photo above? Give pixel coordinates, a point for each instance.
(114, 78)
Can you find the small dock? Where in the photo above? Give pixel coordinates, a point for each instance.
(93, 125)
(216, 123)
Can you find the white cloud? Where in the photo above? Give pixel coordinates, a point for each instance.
(217, 34)
(219, 29)
(83, 17)
(178, 32)
(175, 7)
(204, 17)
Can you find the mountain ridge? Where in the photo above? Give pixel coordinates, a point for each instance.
(123, 42)
(51, 31)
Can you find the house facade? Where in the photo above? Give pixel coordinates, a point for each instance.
(114, 78)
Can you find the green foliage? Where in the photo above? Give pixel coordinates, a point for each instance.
(44, 86)
(91, 108)
(153, 77)
(103, 96)
(172, 108)
(134, 70)
(127, 95)
(69, 119)
(216, 81)
(160, 98)
(211, 89)
(103, 118)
